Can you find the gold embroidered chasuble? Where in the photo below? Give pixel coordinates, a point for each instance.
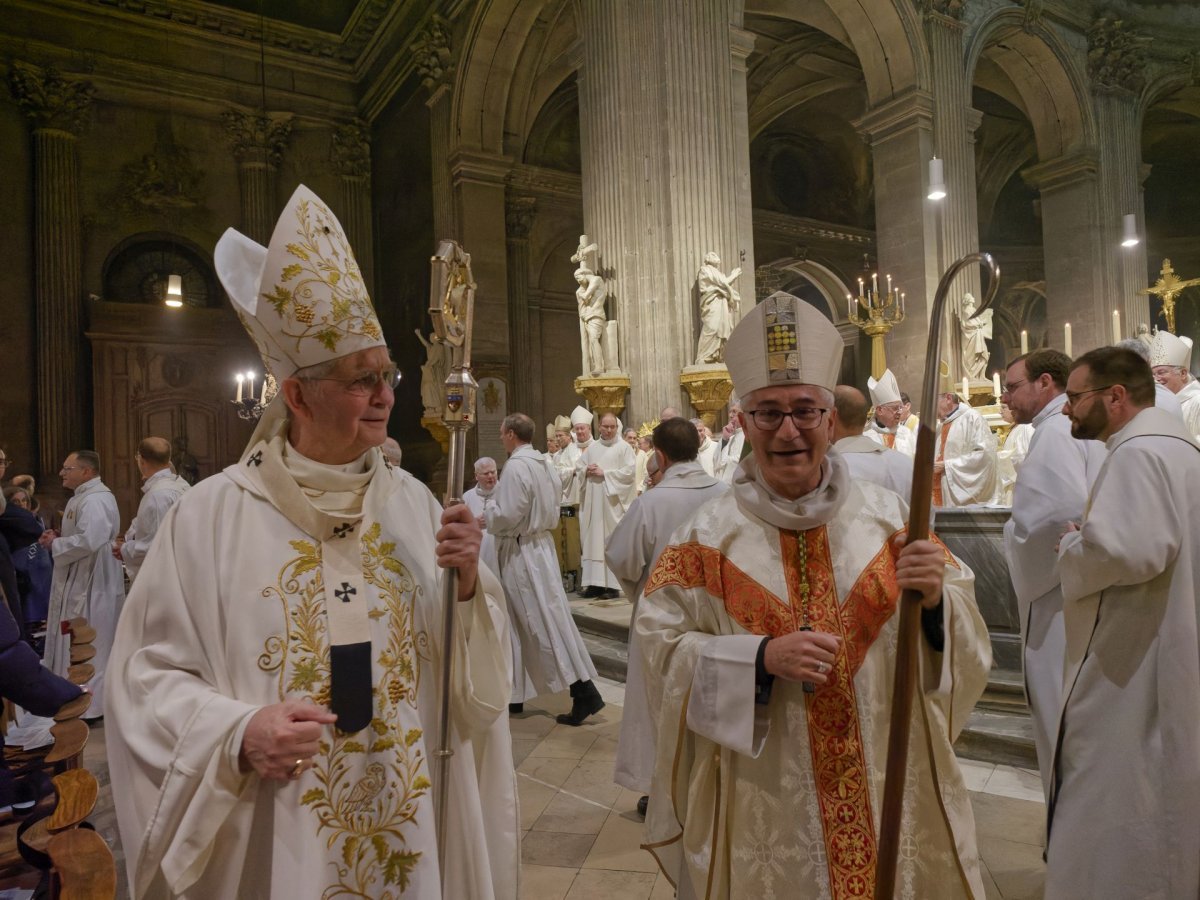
(235, 610)
(782, 799)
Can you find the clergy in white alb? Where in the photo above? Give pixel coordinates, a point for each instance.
(866, 458)
(606, 469)
(523, 511)
(732, 444)
(707, 455)
(964, 468)
(161, 487)
(885, 426)
(478, 499)
(566, 534)
(1050, 491)
(763, 789)
(1171, 360)
(1124, 811)
(87, 581)
(632, 550)
(275, 682)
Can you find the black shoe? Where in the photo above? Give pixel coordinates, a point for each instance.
(587, 702)
(643, 802)
(515, 708)
(591, 591)
(610, 594)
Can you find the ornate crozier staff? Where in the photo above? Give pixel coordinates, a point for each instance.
(451, 306)
(909, 627)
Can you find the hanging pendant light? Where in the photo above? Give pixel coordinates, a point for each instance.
(174, 297)
(937, 179)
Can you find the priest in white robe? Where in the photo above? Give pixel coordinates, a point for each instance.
(632, 550)
(733, 441)
(1050, 491)
(606, 469)
(886, 426)
(964, 468)
(566, 535)
(1124, 812)
(160, 489)
(477, 500)
(88, 580)
(1171, 360)
(521, 515)
(764, 788)
(866, 458)
(275, 682)
(707, 455)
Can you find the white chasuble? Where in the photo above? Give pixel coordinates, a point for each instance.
(235, 610)
(1124, 816)
(1189, 407)
(605, 498)
(546, 643)
(782, 799)
(872, 461)
(968, 448)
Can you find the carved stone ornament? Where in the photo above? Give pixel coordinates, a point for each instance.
(50, 99)
(1034, 11)
(350, 151)
(256, 136)
(518, 217)
(1116, 55)
(709, 389)
(160, 181)
(431, 51)
(952, 8)
(604, 395)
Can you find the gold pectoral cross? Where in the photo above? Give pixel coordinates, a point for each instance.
(1168, 286)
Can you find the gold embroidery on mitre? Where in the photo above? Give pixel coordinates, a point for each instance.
(782, 339)
(366, 786)
(320, 295)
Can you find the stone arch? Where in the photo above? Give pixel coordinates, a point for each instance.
(828, 284)
(1047, 82)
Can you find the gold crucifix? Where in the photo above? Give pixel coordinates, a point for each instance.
(1166, 289)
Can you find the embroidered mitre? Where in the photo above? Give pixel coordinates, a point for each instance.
(885, 390)
(783, 341)
(1168, 350)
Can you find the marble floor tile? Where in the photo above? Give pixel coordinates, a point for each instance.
(976, 774)
(662, 889)
(565, 742)
(551, 770)
(545, 882)
(603, 884)
(618, 847)
(1004, 817)
(571, 815)
(534, 798)
(1020, 784)
(547, 848)
(593, 780)
(522, 747)
(1017, 869)
(990, 890)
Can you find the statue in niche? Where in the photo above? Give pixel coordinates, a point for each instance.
(719, 303)
(586, 255)
(590, 296)
(975, 333)
(433, 373)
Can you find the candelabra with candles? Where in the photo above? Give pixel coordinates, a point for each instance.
(249, 405)
(876, 314)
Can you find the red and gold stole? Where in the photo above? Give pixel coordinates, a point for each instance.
(889, 440)
(941, 457)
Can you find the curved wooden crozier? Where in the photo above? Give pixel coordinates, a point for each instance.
(909, 626)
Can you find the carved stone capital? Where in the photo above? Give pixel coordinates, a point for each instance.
(350, 149)
(432, 57)
(518, 217)
(605, 394)
(257, 136)
(708, 388)
(1116, 55)
(50, 99)
(950, 8)
(1034, 12)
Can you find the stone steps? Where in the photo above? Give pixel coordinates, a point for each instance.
(998, 731)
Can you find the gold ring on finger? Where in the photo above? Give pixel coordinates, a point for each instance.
(295, 773)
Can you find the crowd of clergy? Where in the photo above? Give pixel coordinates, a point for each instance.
(273, 686)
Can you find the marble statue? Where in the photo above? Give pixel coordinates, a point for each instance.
(719, 302)
(591, 295)
(433, 373)
(975, 332)
(586, 254)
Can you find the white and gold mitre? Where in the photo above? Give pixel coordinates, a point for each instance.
(581, 416)
(562, 423)
(885, 390)
(302, 299)
(783, 341)
(1168, 350)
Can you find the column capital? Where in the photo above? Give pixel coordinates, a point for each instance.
(913, 109)
(257, 136)
(350, 149)
(432, 55)
(1063, 171)
(50, 99)
(518, 217)
(943, 12)
(1116, 56)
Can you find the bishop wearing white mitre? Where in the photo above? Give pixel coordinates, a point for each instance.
(1171, 360)
(276, 675)
(885, 426)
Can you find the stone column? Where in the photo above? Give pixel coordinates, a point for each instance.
(1116, 64)
(1073, 243)
(663, 130)
(258, 140)
(56, 106)
(350, 155)
(434, 64)
(518, 222)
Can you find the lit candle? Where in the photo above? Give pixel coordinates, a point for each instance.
(996, 385)
(262, 393)
(966, 393)
(1024, 342)
(860, 287)
(1067, 339)
(902, 303)
(889, 278)
(250, 390)
(849, 307)
(875, 282)
(240, 379)
(1116, 326)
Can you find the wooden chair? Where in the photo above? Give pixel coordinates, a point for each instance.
(81, 674)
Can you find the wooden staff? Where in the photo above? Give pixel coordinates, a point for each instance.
(451, 306)
(909, 627)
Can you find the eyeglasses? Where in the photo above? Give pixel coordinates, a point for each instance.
(367, 382)
(1011, 386)
(803, 417)
(1074, 398)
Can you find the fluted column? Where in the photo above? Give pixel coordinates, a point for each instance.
(350, 155)
(518, 217)
(56, 106)
(662, 94)
(258, 140)
(434, 63)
